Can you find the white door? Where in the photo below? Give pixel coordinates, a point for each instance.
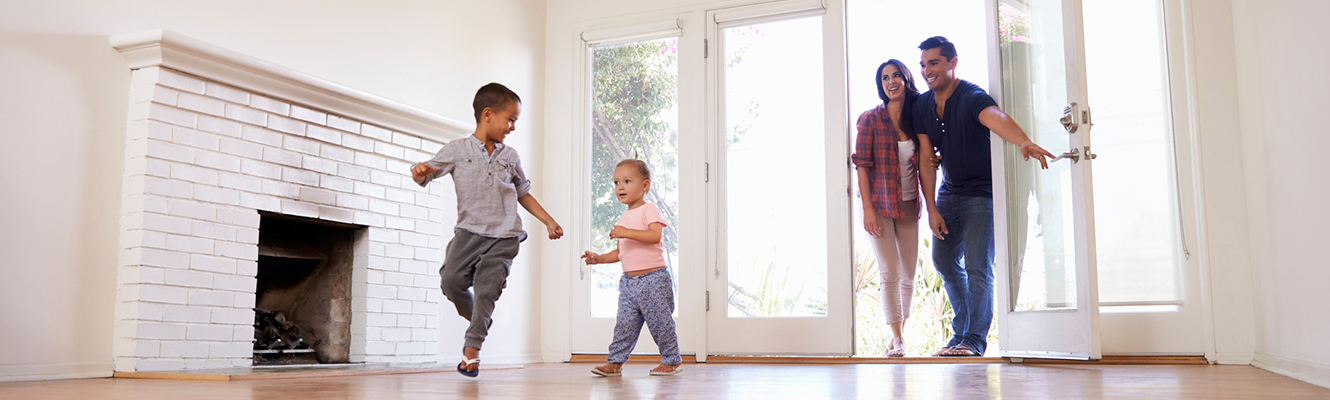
(631, 111)
(780, 262)
(1047, 289)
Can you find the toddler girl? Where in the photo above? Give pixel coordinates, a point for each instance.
(646, 292)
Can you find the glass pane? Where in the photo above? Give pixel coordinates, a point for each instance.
(634, 115)
(1135, 196)
(1043, 260)
(871, 43)
(775, 169)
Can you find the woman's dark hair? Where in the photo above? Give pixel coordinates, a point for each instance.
(911, 93)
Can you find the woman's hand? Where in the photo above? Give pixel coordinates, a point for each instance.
(870, 223)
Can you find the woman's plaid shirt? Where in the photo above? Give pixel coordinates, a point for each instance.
(875, 149)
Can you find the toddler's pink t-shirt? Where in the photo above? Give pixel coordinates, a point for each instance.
(635, 255)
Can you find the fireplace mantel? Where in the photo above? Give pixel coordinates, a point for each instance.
(172, 50)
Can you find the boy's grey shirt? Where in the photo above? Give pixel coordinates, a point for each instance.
(488, 186)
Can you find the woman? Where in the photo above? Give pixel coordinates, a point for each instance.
(887, 158)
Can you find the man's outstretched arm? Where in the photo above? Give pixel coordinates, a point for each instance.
(1006, 128)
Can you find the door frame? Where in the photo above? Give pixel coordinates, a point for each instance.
(592, 335)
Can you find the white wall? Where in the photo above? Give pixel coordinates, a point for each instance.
(1282, 48)
(62, 172)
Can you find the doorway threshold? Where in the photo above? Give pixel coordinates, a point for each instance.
(810, 360)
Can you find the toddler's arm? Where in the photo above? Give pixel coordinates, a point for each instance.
(651, 235)
(607, 258)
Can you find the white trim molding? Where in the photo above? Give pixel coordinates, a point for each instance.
(42, 372)
(768, 12)
(164, 48)
(633, 33)
(1306, 371)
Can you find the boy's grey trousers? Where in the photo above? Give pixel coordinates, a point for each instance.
(479, 262)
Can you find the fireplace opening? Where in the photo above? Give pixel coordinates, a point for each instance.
(302, 307)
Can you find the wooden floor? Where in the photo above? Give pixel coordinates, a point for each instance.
(727, 381)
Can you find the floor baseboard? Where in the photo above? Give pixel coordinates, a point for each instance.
(43, 372)
(1310, 372)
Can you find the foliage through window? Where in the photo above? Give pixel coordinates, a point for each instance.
(634, 114)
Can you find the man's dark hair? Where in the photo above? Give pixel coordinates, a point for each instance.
(948, 49)
(493, 96)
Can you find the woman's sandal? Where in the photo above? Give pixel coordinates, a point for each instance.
(895, 352)
(461, 367)
(675, 371)
(606, 373)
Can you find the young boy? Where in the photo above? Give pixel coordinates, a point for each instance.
(490, 183)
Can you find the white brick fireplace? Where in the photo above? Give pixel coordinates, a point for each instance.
(215, 137)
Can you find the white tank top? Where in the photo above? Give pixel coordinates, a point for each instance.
(909, 175)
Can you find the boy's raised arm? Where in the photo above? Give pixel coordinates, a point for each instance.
(424, 172)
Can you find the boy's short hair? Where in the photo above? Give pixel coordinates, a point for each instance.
(948, 49)
(641, 167)
(493, 96)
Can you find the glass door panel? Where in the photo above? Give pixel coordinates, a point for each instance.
(634, 114)
(1136, 203)
(1043, 252)
(776, 263)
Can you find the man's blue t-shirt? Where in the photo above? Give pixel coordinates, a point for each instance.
(962, 140)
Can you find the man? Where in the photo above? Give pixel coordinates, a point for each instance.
(956, 117)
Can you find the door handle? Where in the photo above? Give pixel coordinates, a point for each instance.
(1074, 155)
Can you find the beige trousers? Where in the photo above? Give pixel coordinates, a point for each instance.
(897, 256)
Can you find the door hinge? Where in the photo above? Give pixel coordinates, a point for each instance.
(708, 300)
(705, 49)
(706, 172)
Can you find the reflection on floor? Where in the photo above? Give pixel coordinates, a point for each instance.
(726, 381)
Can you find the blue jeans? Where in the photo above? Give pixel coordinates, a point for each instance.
(964, 258)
